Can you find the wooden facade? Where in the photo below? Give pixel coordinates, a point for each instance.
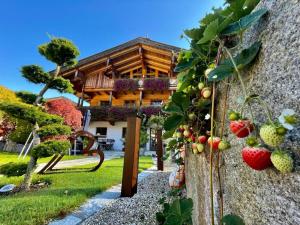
(141, 59)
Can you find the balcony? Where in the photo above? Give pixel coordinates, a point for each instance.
(118, 113)
(151, 84)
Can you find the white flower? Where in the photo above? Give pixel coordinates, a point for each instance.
(207, 117)
(288, 118)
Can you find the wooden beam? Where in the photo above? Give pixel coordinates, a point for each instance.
(153, 49)
(126, 60)
(128, 66)
(163, 60)
(131, 157)
(150, 61)
(131, 69)
(159, 150)
(158, 68)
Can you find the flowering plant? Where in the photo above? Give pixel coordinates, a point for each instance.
(156, 84)
(150, 110)
(125, 85)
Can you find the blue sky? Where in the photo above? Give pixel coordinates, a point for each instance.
(93, 25)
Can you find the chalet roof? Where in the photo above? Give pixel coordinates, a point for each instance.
(139, 40)
(124, 46)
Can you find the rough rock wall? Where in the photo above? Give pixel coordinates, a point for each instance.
(266, 197)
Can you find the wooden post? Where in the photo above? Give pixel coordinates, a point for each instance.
(131, 157)
(159, 150)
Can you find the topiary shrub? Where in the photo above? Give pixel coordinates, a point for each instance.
(21, 132)
(53, 130)
(49, 148)
(29, 113)
(27, 97)
(13, 169)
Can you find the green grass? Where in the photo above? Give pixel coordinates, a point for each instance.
(6, 157)
(38, 207)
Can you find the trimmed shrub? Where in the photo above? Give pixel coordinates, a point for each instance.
(49, 148)
(35, 74)
(53, 130)
(60, 51)
(27, 97)
(13, 169)
(125, 85)
(30, 113)
(62, 85)
(21, 132)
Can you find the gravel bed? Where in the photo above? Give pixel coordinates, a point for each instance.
(140, 209)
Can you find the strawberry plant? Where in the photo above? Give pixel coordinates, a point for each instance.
(213, 57)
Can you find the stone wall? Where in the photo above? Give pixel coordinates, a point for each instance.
(266, 197)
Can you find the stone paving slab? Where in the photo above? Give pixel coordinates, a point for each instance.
(99, 201)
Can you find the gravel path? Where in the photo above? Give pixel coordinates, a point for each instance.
(138, 210)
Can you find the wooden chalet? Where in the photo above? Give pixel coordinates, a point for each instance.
(136, 74)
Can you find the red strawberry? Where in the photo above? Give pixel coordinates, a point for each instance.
(256, 157)
(215, 142)
(202, 139)
(241, 128)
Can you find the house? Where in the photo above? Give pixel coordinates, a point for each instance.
(136, 75)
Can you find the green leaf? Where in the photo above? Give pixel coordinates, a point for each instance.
(173, 121)
(232, 220)
(181, 100)
(221, 72)
(184, 65)
(195, 33)
(216, 14)
(247, 55)
(180, 212)
(226, 68)
(172, 107)
(210, 32)
(250, 4)
(244, 23)
(168, 134)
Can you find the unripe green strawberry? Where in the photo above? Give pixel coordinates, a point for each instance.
(270, 136)
(234, 116)
(192, 116)
(201, 85)
(195, 151)
(200, 147)
(223, 145)
(282, 161)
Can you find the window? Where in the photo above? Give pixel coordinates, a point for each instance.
(104, 103)
(162, 74)
(129, 103)
(156, 102)
(124, 132)
(101, 131)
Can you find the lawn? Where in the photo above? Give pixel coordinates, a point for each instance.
(6, 157)
(66, 192)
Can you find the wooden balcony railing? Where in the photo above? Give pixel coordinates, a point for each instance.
(97, 82)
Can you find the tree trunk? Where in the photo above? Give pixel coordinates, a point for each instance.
(46, 87)
(25, 186)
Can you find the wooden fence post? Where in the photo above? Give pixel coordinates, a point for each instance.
(131, 157)
(159, 150)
